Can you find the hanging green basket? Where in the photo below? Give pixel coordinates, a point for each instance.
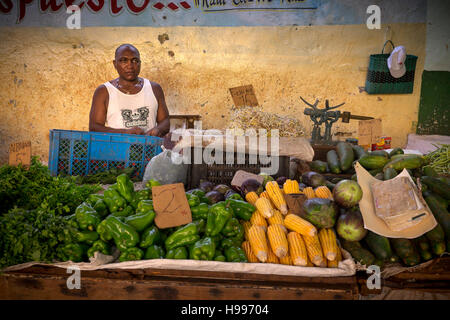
(379, 79)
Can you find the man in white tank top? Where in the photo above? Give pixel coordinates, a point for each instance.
(129, 104)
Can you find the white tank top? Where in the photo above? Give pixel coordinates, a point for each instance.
(131, 110)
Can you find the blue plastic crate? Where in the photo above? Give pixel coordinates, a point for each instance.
(82, 153)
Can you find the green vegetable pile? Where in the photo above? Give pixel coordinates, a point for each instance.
(123, 219)
(107, 177)
(439, 159)
(32, 210)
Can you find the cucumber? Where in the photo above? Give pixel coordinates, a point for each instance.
(319, 166)
(404, 248)
(425, 254)
(374, 172)
(422, 243)
(412, 161)
(437, 234)
(438, 247)
(354, 177)
(330, 185)
(379, 246)
(429, 171)
(379, 176)
(345, 153)
(358, 151)
(390, 173)
(440, 213)
(373, 161)
(363, 256)
(333, 162)
(379, 263)
(437, 186)
(336, 180)
(412, 260)
(379, 153)
(395, 152)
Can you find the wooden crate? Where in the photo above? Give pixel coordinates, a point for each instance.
(46, 282)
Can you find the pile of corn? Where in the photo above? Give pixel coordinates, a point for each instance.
(246, 118)
(274, 235)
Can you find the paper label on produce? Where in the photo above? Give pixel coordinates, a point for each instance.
(295, 203)
(171, 206)
(244, 96)
(240, 176)
(20, 153)
(369, 132)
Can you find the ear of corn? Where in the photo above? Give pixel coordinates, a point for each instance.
(277, 218)
(323, 192)
(257, 219)
(297, 249)
(291, 186)
(314, 250)
(264, 194)
(251, 197)
(248, 252)
(286, 260)
(258, 242)
(335, 262)
(328, 242)
(300, 225)
(265, 207)
(276, 196)
(309, 192)
(247, 225)
(309, 263)
(277, 240)
(272, 258)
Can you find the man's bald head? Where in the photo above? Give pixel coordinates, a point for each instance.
(126, 46)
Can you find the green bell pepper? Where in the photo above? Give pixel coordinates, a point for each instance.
(87, 218)
(241, 209)
(235, 254)
(200, 194)
(200, 211)
(230, 242)
(192, 199)
(218, 216)
(86, 236)
(101, 208)
(93, 198)
(143, 194)
(131, 254)
(144, 206)
(150, 236)
(186, 235)
(141, 220)
(72, 221)
(114, 200)
(235, 196)
(125, 187)
(203, 249)
(218, 256)
(127, 211)
(72, 251)
(154, 252)
(201, 225)
(124, 235)
(152, 183)
(231, 228)
(104, 231)
(177, 253)
(100, 246)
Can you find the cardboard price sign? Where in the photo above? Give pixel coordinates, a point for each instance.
(240, 176)
(20, 153)
(294, 202)
(369, 132)
(171, 206)
(244, 96)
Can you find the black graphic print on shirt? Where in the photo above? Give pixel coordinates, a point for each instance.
(138, 118)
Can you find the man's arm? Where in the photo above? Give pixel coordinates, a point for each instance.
(162, 115)
(97, 116)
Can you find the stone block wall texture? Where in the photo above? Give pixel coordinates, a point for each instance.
(49, 74)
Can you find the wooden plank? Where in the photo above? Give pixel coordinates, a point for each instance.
(45, 287)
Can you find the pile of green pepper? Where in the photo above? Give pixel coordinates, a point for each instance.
(124, 219)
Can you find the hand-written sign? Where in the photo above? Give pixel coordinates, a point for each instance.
(295, 203)
(369, 131)
(244, 96)
(240, 176)
(20, 153)
(171, 206)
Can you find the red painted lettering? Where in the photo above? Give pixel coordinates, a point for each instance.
(70, 2)
(136, 9)
(44, 5)
(8, 4)
(114, 8)
(22, 9)
(96, 7)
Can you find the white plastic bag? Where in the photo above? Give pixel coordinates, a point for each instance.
(164, 168)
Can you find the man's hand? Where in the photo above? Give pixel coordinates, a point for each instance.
(135, 130)
(155, 132)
